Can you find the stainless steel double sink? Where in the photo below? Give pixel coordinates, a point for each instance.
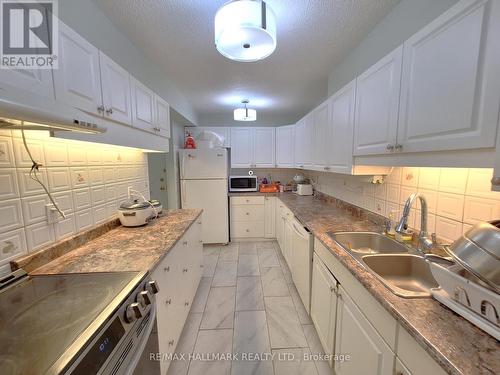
(400, 268)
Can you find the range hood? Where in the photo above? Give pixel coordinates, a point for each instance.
(44, 114)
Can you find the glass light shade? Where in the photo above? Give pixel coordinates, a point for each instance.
(245, 30)
(245, 114)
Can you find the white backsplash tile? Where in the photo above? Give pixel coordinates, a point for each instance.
(9, 187)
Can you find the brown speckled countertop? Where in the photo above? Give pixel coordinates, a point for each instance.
(125, 249)
(459, 346)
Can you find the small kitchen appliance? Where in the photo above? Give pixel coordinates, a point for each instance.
(243, 183)
(135, 213)
(304, 189)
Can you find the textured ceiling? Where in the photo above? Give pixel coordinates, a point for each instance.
(313, 35)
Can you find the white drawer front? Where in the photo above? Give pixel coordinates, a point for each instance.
(247, 213)
(247, 200)
(247, 229)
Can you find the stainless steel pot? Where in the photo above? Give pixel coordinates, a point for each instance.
(478, 251)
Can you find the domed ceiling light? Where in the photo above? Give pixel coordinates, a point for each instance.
(245, 114)
(245, 30)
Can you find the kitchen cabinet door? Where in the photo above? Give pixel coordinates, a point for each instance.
(162, 117)
(324, 304)
(309, 133)
(264, 147)
(341, 119)
(355, 336)
(77, 81)
(285, 146)
(299, 144)
(34, 81)
(270, 217)
(322, 138)
(377, 106)
(451, 81)
(242, 148)
(115, 91)
(143, 106)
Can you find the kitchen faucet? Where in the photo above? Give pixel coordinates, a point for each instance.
(425, 243)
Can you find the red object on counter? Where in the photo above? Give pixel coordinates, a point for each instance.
(190, 143)
(269, 188)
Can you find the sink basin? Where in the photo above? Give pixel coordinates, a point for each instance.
(406, 275)
(368, 243)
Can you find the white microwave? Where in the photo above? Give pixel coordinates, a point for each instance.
(243, 183)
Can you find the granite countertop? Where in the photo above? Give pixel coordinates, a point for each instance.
(457, 345)
(125, 249)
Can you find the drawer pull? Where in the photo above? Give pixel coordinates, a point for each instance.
(248, 230)
(171, 343)
(248, 213)
(201, 241)
(185, 270)
(166, 269)
(199, 222)
(168, 301)
(186, 303)
(185, 243)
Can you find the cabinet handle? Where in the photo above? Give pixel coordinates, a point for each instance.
(399, 147)
(168, 301)
(327, 168)
(201, 241)
(186, 303)
(390, 148)
(109, 111)
(171, 343)
(100, 109)
(248, 230)
(166, 269)
(248, 213)
(495, 181)
(185, 243)
(185, 270)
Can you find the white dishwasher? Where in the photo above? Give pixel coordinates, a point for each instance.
(302, 257)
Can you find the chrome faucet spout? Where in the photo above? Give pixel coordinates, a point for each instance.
(424, 242)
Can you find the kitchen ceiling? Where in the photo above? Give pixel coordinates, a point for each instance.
(313, 36)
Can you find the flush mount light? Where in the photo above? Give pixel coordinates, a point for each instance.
(245, 30)
(245, 114)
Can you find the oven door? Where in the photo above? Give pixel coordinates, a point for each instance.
(146, 363)
(243, 183)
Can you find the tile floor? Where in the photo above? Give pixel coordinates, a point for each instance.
(246, 304)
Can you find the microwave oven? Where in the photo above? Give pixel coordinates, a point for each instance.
(243, 183)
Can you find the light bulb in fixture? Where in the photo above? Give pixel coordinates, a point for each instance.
(245, 114)
(245, 30)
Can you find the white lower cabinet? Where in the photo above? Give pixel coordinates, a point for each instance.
(269, 217)
(178, 276)
(252, 217)
(356, 337)
(324, 305)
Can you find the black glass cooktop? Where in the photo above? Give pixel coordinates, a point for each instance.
(42, 315)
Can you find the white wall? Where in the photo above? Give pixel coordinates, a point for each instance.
(88, 180)
(85, 17)
(457, 197)
(405, 19)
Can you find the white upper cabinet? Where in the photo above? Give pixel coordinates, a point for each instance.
(341, 120)
(162, 117)
(264, 147)
(252, 147)
(308, 141)
(377, 103)
(34, 81)
(299, 144)
(322, 137)
(285, 146)
(115, 91)
(241, 148)
(451, 81)
(78, 80)
(143, 106)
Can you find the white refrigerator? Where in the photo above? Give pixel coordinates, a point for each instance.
(203, 177)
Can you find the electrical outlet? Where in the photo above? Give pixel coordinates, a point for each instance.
(51, 213)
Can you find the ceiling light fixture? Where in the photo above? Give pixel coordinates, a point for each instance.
(245, 30)
(245, 114)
